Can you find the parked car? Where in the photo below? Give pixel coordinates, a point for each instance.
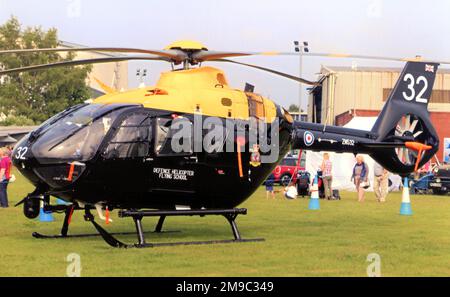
(422, 185)
(440, 183)
(418, 183)
(284, 171)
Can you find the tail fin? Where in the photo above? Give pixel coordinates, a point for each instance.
(405, 118)
(105, 87)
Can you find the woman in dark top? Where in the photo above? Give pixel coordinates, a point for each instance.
(360, 175)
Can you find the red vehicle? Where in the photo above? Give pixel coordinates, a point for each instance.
(284, 171)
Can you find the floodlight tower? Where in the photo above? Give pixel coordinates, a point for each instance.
(303, 48)
(140, 76)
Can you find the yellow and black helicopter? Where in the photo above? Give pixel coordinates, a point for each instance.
(191, 144)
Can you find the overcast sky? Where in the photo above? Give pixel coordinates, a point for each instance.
(371, 27)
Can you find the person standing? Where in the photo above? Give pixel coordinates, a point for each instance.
(5, 174)
(9, 150)
(380, 182)
(269, 186)
(327, 177)
(360, 175)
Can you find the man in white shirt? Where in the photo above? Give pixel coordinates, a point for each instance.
(380, 182)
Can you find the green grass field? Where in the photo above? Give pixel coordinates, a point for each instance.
(333, 241)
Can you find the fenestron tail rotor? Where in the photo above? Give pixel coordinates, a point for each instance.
(409, 126)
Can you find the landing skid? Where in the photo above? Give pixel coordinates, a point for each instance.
(44, 236)
(137, 215)
(65, 228)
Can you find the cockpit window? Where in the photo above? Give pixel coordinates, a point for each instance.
(47, 124)
(77, 135)
(162, 132)
(172, 137)
(132, 138)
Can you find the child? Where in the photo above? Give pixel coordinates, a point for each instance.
(290, 192)
(269, 186)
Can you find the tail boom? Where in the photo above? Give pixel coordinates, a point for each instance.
(403, 137)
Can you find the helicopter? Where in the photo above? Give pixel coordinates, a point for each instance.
(123, 150)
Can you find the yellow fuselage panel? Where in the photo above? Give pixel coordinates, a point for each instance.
(196, 78)
(201, 90)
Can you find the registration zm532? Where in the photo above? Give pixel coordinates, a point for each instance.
(246, 286)
(346, 141)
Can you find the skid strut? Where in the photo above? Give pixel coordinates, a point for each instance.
(138, 215)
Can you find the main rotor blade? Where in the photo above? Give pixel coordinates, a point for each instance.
(214, 55)
(337, 55)
(298, 79)
(82, 62)
(176, 55)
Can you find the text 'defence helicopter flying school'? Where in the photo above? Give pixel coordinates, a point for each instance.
(173, 142)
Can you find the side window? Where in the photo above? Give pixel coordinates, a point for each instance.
(255, 106)
(132, 138)
(291, 162)
(180, 131)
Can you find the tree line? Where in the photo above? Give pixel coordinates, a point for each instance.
(29, 98)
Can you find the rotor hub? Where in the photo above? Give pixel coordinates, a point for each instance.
(186, 45)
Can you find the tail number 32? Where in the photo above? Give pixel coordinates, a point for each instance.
(20, 152)
(421, 81)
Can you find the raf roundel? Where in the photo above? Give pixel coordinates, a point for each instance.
(308, 138)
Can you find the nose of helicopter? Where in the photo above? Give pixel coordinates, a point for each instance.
(56, 175)
(56, 152)
(23, 159)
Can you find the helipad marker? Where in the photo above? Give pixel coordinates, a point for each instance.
(314, 201)
(405, 208)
